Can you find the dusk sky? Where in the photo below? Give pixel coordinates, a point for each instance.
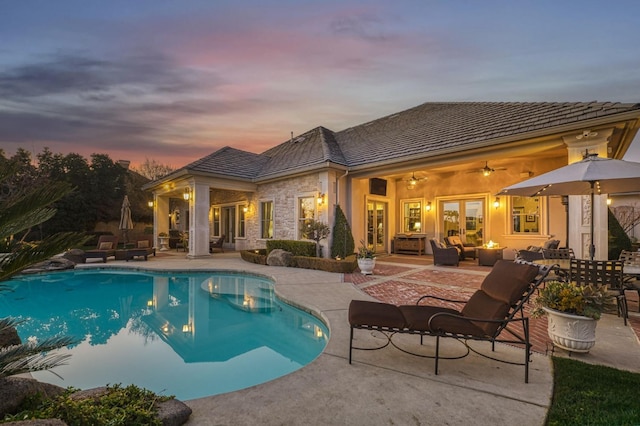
(173, 81)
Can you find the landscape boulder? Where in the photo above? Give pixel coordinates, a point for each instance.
(279, 257)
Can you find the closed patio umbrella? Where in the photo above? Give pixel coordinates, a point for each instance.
(125, 219)
(593, 175)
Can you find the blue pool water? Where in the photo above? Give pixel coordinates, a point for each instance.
(184, 334)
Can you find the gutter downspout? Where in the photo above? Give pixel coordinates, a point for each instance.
(338, 187)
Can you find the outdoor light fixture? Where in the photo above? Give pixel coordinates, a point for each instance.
(428, 206)
(186, 194)
(320, 199)
(245, 209)
(496, 202)
(150, 203)
(609, 201)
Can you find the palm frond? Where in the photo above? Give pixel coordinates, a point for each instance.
(28, 357)
(30, 208)
(27, 255)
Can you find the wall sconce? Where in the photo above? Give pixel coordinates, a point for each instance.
(428, 206)
(609, 201)
(245, 209)
(186, 194)
(496, 202)
(320, 199)
(150, 204)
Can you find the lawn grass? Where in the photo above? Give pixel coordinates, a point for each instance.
(585, 394)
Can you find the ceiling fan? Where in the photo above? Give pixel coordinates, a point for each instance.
(486, 170)
(413, 180)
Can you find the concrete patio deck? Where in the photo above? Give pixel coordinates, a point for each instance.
(388, 386)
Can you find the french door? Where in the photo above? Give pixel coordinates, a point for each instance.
(376, 225)
(463, 217)
(229, 223)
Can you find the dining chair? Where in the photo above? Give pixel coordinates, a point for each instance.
(602, 272)
(631, 260)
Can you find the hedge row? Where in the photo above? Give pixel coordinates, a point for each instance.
(344, 266)
(296, 248)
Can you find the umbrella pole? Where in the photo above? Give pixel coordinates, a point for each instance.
(592, 246)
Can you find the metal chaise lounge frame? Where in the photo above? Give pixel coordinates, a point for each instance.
(491, 314)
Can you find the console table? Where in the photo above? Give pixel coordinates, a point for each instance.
(410, 244)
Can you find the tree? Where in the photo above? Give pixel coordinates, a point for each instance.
(153, 170)
(22, 210)
(316, 231)
(343, 244)
(628, 217)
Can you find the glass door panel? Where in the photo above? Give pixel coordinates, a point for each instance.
(376, 225)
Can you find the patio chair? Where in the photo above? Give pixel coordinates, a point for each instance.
(529, 255)
(493, 314)
(602, 272)
(443, 255)
(465, 249)
(558, 253)
(107, 245)
(217, 244)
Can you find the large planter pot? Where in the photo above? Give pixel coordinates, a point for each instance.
(573, 333)
(366, 265)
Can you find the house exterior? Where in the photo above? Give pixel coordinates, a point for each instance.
(428, 172)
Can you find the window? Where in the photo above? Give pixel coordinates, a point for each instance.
(525, 215)
(306, 213)
(266, 219)
(241, 220)
(412, 216)
(216, 221)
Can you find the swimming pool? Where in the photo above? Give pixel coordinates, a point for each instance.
(185, 334)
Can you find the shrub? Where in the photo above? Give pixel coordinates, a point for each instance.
(344, 266)
(342, 243)
(254, 256)
(296, 248)
(118, 405)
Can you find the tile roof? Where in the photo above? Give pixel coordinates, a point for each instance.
(420, 131)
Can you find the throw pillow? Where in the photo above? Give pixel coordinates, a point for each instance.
(143, 244)
(105, 246)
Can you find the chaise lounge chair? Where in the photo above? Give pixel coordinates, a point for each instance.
(143, 248)
(493, 314)
(107, 245)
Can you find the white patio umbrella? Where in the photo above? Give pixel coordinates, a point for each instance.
(593, 175)
(125, 219)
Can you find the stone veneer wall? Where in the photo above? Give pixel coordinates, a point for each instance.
(284, 195)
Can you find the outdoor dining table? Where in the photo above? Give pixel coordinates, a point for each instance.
(564, 265)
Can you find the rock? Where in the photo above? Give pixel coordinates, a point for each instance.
(13, 391)
(279, 257)
(9, 337)
(54, 264)
(173, 412)
(76, 256)
(37, 422)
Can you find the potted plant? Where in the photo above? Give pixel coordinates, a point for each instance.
(572, 312)
(366, 259)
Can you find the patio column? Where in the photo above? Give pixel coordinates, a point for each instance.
(580, 205)
(198, 220)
